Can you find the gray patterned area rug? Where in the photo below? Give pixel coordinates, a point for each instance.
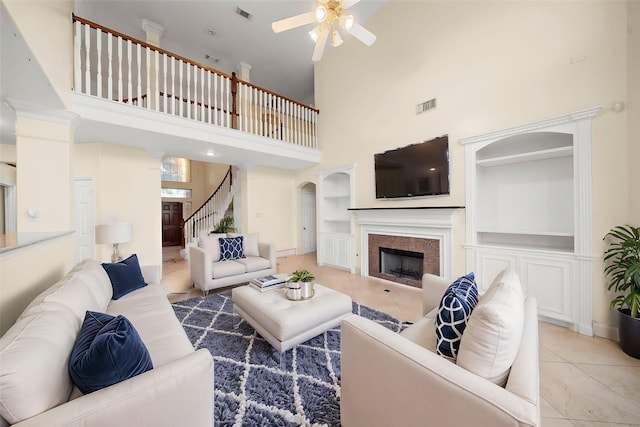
(255, 385)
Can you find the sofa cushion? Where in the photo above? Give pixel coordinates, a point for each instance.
(492, 337)
(231, 248)
(97, 280)
(108, 350)
(423, 333)
(125, 276)
(72, 293)
(150, 312)
(249, 243)
(254, 263)
(454, 310)
(33, 370)
(211, 245)
(227, 268)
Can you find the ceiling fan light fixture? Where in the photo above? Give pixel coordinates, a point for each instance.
(336, 40)
(315, 33)
(348, 22)
(321, 13)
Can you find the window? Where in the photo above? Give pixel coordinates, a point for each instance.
(176, 169)
(175, 193)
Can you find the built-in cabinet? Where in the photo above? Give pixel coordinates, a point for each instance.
(336, 228)
(529, 208)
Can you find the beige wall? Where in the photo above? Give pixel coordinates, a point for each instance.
(43, 175)
(46, 27)
(491, 65)
(269, 206)
(127, 188)
(26, 273)
(633, 105)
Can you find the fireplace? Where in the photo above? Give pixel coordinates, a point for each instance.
(426, 230)
(401, 264)
(403, 259)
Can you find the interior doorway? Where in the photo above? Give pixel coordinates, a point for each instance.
(308, 218)
(171, 224)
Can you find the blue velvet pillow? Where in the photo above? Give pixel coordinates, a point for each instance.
(125, 276)
(107, 350)
(231, 248)
(453, 314)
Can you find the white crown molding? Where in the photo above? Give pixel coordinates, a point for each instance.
(37, 111)
(529, 127)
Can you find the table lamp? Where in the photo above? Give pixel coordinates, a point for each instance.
(107, 234)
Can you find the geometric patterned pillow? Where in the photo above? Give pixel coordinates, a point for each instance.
(231, 248)
(453, 313)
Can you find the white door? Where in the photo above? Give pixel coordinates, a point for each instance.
(85, 219)
(308, 222)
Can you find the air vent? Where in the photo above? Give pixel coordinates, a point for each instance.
(427, 105)
(243, 13)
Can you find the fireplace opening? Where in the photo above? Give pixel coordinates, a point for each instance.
(400, 263)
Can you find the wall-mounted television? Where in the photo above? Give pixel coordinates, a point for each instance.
(416, 170)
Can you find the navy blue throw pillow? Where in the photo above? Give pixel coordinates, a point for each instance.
(453, 314)
(125, 276)
(231, 248)
(107, 350)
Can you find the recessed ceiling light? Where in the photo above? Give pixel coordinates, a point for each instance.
(210, 153)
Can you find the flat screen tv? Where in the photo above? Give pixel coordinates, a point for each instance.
(416, 170)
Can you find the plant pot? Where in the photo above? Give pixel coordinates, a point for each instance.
(299, 291)
(306, 290)
(629, 332)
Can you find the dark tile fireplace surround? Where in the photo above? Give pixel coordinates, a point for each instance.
(428, 249)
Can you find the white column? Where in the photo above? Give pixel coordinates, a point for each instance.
(154, 32)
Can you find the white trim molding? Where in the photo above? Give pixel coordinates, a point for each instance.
(427, 223)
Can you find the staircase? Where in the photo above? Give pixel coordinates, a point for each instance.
(210, 213)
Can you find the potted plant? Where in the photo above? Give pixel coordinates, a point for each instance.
(301, 284)
(224, 226)
(622, 269)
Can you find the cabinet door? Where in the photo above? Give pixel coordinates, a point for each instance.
(343, 252)
(489, 263)
(326, 251)
(550, 280)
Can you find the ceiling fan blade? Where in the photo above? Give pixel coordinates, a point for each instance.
(293, 22)
(320, 44)
(362, 34)
(346, 4)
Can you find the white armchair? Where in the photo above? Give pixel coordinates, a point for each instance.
(392, 379)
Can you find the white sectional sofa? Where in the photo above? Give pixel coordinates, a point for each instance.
(35, 386)
(398, 379)
(208, 271)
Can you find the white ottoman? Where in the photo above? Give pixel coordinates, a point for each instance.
(284, 323)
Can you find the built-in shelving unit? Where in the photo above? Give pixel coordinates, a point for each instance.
(336, 234)
(529, 208)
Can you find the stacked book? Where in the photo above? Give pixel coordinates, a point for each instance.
(267, 283)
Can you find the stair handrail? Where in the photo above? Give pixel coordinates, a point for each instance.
(228, 174)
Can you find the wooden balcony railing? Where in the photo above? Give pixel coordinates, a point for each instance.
(111, 65)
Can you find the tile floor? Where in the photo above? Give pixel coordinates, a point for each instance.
(584, 381)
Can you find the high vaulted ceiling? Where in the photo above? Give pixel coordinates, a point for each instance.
(194, 29)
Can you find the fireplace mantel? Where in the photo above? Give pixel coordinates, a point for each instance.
(429, 222)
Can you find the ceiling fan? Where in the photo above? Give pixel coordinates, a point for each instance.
(329, 17)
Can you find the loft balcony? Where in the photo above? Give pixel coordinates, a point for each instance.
(129, 92)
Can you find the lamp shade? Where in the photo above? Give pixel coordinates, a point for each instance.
(113, 233)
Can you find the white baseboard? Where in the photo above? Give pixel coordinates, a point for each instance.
(286, 252)
(605, 331)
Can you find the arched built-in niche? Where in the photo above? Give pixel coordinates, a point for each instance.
(528, 207)
(336, 233)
